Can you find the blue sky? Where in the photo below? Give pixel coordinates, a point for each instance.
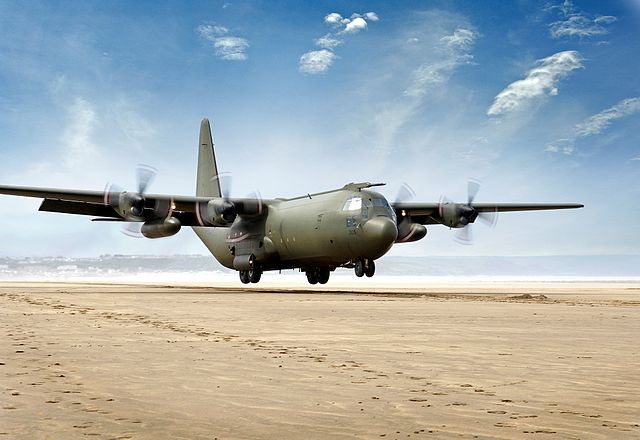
(540, 101)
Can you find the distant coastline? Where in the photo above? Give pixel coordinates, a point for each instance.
(204, 268)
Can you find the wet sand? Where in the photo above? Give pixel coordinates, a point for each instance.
(494, 360)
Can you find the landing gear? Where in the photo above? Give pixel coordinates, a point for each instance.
(323, 275)
(369, 268)
(317, 275)
(364, 266)
(255, 273)
(312, 276)
(252, 275)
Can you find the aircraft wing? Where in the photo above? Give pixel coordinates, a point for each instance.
(95, 203)
(429, 213)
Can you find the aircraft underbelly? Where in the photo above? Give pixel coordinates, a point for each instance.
(215, 239)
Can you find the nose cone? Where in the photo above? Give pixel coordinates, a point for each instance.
(379, 233)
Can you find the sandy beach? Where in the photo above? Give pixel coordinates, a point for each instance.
(487, 361)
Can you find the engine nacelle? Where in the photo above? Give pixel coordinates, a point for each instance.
(129, 206)
(219, 212)
(457, 215)
(161, 228)
(408, 232)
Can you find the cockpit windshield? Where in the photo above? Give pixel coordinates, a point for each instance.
(382, 203)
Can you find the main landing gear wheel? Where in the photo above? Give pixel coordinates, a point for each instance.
(364, 266)
(255, 273)
(369, 268)
(244, 277)
(312, 276)
(318, 275)
(323, 275)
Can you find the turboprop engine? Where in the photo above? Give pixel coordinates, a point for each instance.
(220, 212)
(457, 215)
(223, 212)
(134, 207)
(462, 215)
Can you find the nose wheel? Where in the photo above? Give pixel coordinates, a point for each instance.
(365, 266)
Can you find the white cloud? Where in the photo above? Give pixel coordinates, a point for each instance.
(319, 61)
(316, 61)
(210, 32)
(356, 25)
(328, 42)
(540, 81)
(371, 16)
(577, 24)
(597, 123)
(636, 157)
(231, 48)
(460, 39)
(564, 146)
(432, 74)
(333, 19)
(226, 47)
(605, 19)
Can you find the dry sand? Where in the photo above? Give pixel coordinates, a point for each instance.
(488, 361)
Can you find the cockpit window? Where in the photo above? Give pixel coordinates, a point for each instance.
(353, 204)
(381, 202)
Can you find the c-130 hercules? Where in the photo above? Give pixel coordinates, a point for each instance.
(317, 233)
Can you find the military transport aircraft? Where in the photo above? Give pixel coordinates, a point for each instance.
(349, 227)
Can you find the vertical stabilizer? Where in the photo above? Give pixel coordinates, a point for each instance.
(207, 184)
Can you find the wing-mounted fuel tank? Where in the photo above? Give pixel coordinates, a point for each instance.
(161, 227)
(409, 232)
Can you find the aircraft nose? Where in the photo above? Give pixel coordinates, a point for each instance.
(380, 233)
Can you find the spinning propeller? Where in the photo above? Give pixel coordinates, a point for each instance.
(461, 215)
(133, 206)
(405, 194)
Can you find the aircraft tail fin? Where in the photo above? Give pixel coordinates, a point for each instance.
(207, 184)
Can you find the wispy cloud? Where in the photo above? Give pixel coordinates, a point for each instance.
(319, 61)
(636, 158)
(79, 147)
(226, 47)
(577, 24)
(457, 51)
(539, 82)
(414, 80)
(595, 125)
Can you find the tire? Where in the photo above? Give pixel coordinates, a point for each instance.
(255, 273)
(323, 275)
(312, 275)
(359, 269)
(244, 276)
(370, 268)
